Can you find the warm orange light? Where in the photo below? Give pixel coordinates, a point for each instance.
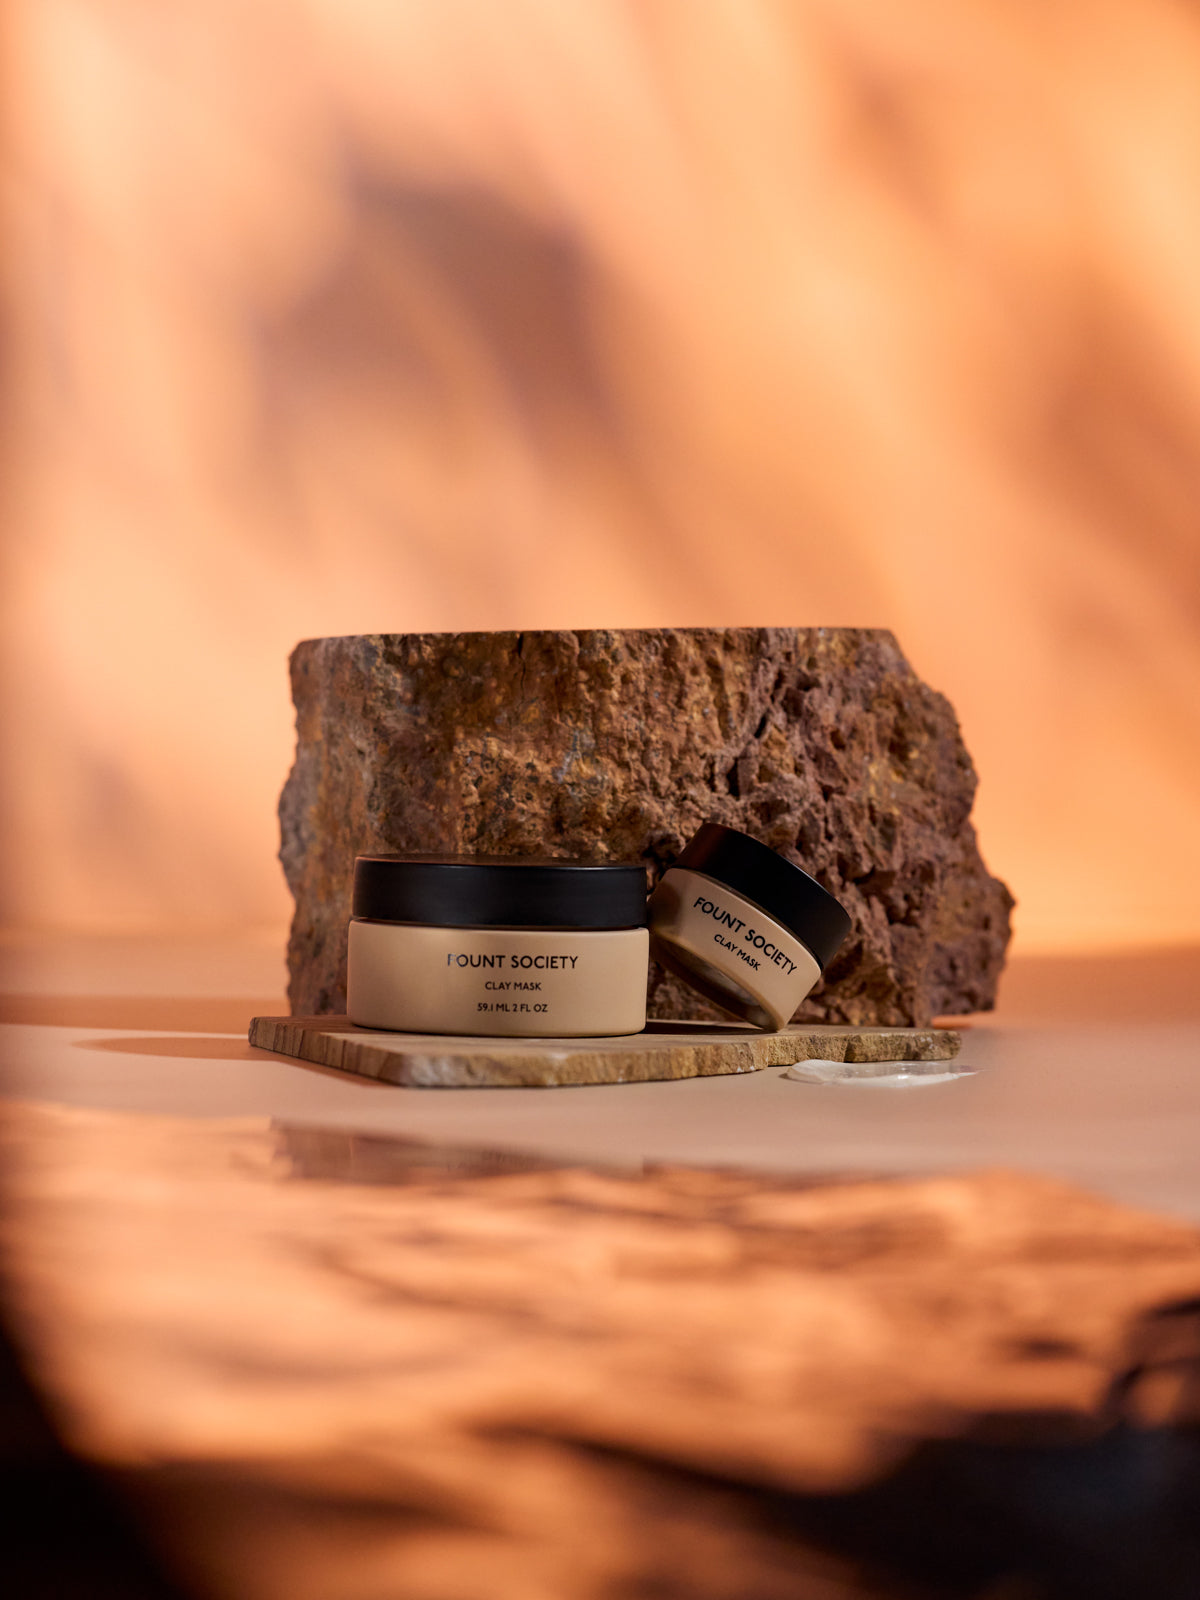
(350, 315)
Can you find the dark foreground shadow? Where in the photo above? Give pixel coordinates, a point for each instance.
(66, 1536)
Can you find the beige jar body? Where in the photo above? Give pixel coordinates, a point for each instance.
(518, 982)
(729, 949)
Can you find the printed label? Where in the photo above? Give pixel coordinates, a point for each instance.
(746, 936)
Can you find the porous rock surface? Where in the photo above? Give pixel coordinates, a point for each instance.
(616, 745)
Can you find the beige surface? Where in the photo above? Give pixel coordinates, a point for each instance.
(663, 1051)
(332, 1351)
(1090, 1071)
(336, 1368)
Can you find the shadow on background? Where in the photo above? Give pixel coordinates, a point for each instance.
(1134, 986)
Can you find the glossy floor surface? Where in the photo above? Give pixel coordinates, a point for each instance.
(1089, 1070)
(310, 1337)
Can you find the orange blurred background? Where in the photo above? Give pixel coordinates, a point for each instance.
(336, 316)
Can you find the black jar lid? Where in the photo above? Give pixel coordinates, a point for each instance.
(499, 892)
(777, 887)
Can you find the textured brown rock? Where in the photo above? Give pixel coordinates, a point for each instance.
(822, 742)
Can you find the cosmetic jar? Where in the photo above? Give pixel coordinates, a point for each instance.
(743, 926)
(498, 945)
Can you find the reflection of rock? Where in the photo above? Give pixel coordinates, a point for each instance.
(338, 1365)
(822, 742)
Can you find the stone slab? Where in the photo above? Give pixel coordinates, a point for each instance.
(665, 1050)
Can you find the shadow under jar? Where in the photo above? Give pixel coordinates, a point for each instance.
(494, 945)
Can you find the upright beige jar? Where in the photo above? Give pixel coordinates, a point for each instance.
(498, 946)
(744, 926)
